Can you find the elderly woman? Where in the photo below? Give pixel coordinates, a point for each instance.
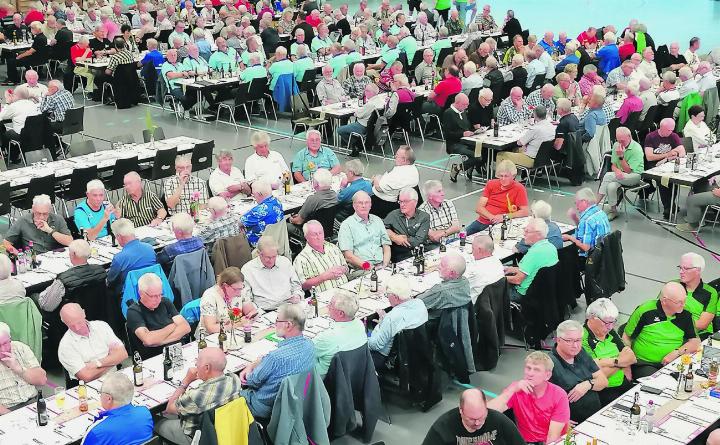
(12, 290)
(632, 102)
(543, 210)
(696, 128)
(219, 301)
(589, 79)
(227, 180)
(501, 196)
(607, 349)
(286, 24)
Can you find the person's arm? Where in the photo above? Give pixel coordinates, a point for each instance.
(91, 371)
(157, 337)
(704, 321)
(190, 377)
(299, 178)
(60, 237)
(33, 375)
(555, 431)
(500, 403)
(353, 259)
(386, 254)
(421, 235)
(182, 328)
(515, 275)
(655, 156)
(51, 297)
(173, 199)
(482, 210)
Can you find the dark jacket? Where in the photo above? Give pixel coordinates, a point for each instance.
(309, 33)
(270, 39)
(232, 251)
(454, 126)
(63, 42)
(455, 341)
(342, 26)
(352, 384)
(604, 269)
(574, 157)
(491, 310)
(512, 28)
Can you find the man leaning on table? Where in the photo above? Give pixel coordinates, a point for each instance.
(362, 236)
(661, 330)
(183, 188)
(46, 230)
(453, 290)
(314, 156)
(88, 349)
(345, 333)
(134, 255)
(20, 373)
(94, 215)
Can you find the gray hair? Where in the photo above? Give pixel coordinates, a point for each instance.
(564, 105)
(602, 308)
(586, 194)
(57, 84)
(541, 209)
(590, 68)
(148, 281)
(224, 154)
(685, 73)
(41, 200)
(568, 326)
(266, 242)
(484, 242)
(118, 386)
(293, 313)
(95, 184)
(346, 302)
(182, 222)
(261, 187)
(80, 248)
(669, 77)
(323, 178)
(183, 159)
(491, 62)
(456, 262)
(399, 286)
(633, 87)
(217, 203)
(313, 131)
(540, 111)
(5, 267)
(506, 166)
(443, 31)
(355, 166)
(539, 225)
(409, 192)
(259, 136)
(431, 185)
(541, 358)
(311, 223)
(695, 259)
(123, 227)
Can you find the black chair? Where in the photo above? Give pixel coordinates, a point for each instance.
(665, 111)
(613, 125)
(368, 138)
(491, 310)
(307, 85)
(81, 148)
(537, 312)
(241, 99)
(442, 55)
(122, 167)
(5, 206)
(537, 83)
(401, 120)
(74, 123)
(688, 144)
(76, 187)
(32, 137)
(647, 125)
(259, 92)
(632, 121)
(300, 118)
(449, 101)
(157, 133)
(37, 186)
(202, 156)
(543, 162)
(381, 208)
(163, 164)
(416, 111)
(417, 60)
(326, 218)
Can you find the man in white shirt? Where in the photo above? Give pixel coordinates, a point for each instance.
(226, 180)
(689, 84)
(270, 279)
(425, 33)
(264, 163)
(472, 78)
(374, 103)
(707, 79)
(647, 95)
(18, 109)
(691, 54)
(486, 269)
(405, 174)
(647, 67)
(542, 130)
(667, 91)
(88, 349)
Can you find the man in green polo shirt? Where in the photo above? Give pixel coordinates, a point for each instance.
(605, 346)
(281, 66)
(627, 162)
(541, 254)
(407, 44)
(302, 63)
(661, 330)
(338, 60)
(701, 297)
(443, 41)
(224, 58)
(345, 334)
(255, 70)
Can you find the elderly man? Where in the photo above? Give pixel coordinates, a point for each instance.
(594, 117)
(540, 407)
(56, 101)
(89, 349)
(338, 59)
(134, 254)
(702, 298)
(425, 33)
(322, 198)
(626, 163)
(480, 113)
(94, 215)
(30, 57)
(486, 21)
(303, 63)
(182, 225)
(542, 97)
(19, 107)
(503, 196)
(407, 227)
(222, 223)
(707, 79)
(471, 78)
(568, 122)
(182, 189)
(647, 66)
(227, 181)
(47, 231)
(455, 126)
(179, 33)
(541, 131)
(480, 56)
(81, 52)
(668, 91)
(329, 90)
(345, 334)
(675, 59)
(513, 108)
(122, 56)
(295, 354)
(112, 425)
(592, 223)
(20, 373)
(451, 84)
(280, 67)
(404, 174)
(373, 103)
(359, 235)
(609, 55)
(663, 145)
(217, 388)
(352, 182)
(67, 282)
(566, 88)
(606, 348)
(570, 57)
(354, 86)
(264, 164)
(535, 67)
(314, 156)
(35, 89)
(543, 210)
(443, 216)
(172, 71)
(268, 210)
(689, 84)
(270, 279)
(473, 422)
(320, 265)
(453, 290)
(138, 204)
(426, 71)
(648, 97)
(486, 269)
(153, 319)
(322, 42)
(619, 77)
(661, 330)
(541, 254)
(407, 313)
(225, 58)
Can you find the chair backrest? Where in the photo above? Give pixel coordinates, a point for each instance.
(78, 182)
(257, 88)
(202, 155)
(279, 233)
(649, 120)
(158, 133)
(191, 275)
(449, 101)
(81, 148)
(442, 55)
(666, 110)
(299, 106)
(38, 155)
(122, 167)
(37, 186)
(326, 218)
(416, 60)
(544, 154)
(5, 206)
(633, 120)
(33, 134)
(418, 373)
(537, 82)
(613, 125)
(164, 163)
(74, 121)
(123, 138)
(231, 251)
(540, 307)
(688, 144)
(243, 95)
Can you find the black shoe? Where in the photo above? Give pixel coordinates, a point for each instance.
(468, 174)
(454, 172)
(8, 83)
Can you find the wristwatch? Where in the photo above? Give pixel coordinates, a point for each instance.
(592, 384)
(615, 363)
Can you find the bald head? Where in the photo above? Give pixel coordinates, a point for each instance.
(211, 363)
(461, 102)
(452, 266)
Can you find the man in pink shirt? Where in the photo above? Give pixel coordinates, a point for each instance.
(111, 28)
(541, 408)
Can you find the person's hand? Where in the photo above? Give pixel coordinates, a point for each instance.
(620, 175)
(184, 178)
(524, 386)
(435, 235)
(336, 272)
(8, 360)
(245, 373)
(250, 311)
(191, 375)
(295, 299)
(42, 225)
(567, 237)
(155, 222)
(578, 391)
(672, 355)
(468, 133)
(496, 219)
(620, 150)
(402, 240)
(109, 210)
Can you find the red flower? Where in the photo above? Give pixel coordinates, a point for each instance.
(236, 311)
(366, 265)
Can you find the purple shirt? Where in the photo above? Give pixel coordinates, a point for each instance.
(629, 105)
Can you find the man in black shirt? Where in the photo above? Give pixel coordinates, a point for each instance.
(305, 26)
(473, 423)
(15, 31)
(480, 113)
(100, 45)
(63, 42)
(567, 122)
(35, 55)
(455, 126)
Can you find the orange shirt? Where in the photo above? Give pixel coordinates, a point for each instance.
(501, 200)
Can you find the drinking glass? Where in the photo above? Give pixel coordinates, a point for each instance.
(60, 397)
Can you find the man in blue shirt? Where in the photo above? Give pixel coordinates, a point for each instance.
(295, 354)
(608, 55)
(267, 211)
(353, 182)
(592, 223)
(313, 157)
(570, 57)
(595, 116)
(94, 215)
(133, 256)
(182, 226)
(120, 422)
(153, 55)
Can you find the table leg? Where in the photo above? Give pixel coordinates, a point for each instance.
(200, 115)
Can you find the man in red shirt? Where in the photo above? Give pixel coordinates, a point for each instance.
(33, 15)
(541, 408)
(588, 38)
(501, 196)
(437, 99)
(81, 50)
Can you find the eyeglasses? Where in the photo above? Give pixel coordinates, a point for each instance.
(685, 269)
(608, 323)
(572, 341)
(281, 321)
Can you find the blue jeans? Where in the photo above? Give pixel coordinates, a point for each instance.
(475, 227)
(345, 130)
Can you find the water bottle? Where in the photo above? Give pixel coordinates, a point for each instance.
(21, 264)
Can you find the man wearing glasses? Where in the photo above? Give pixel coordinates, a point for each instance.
(576, 372)
(606, 348)
(661, 330)
(702, 298)
(541, 254)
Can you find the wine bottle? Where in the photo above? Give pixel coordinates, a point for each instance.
(42, 415)
(202, 344)
(463, 236)
(503, 228)
(635, 411)
(689, 379)
(222, 337)
(314, 302)
(137, 370)
(373, 281)
(167, 366)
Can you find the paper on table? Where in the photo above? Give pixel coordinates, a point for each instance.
(679, 429)
(76, 427)
(373, 304)
(160, 392)
(659, 381)
(253, 351)
(32, 277)
(55, 265)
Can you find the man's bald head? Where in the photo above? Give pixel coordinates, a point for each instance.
(211, 363)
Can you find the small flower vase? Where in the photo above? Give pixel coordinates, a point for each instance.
(233, 343)
(194, 210)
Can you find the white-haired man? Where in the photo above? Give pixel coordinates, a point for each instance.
(89, 349)
(576, 372)
(270, 279)
(702, 298)
(56, 101)
(44, 229)
(541, 408)
(280, 67)
(454, 289)
(313, 157)
(268, 210)
(36, 90)
(19, 107)
(184, 188)
(182, 225)
(134, 254)
(541, 254)
(322, 198)
(627, 163)
(345, 334)
(404, 174)
(407, 227)
(606, 348)
(153, 320)
(227, 181)
(592, 223)
(373, 103)
(689, 84)
(20, 373)
(359, 234)
(139, 204)
(485, 269)
(444, 220)
(264, 163)
(94, 215)
(541, 131)
(320, 265)
(69, 281)
(222, 224)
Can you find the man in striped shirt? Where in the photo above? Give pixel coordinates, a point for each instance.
(444, 221)
(320, 265)
(139, 205)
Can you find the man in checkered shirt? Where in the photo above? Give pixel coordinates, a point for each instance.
(513, 109)
(444, 220)
(20, 373)
(56, 102)
(181, 189)
(222, 224)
